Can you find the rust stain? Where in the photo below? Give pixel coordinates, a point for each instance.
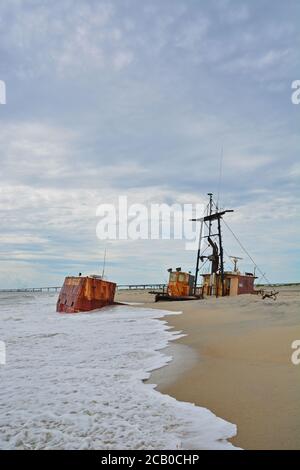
(179, 284)
(82, 294)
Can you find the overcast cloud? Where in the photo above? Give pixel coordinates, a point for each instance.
(137, 98)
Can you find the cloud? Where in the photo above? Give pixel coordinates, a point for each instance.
(71, 36)
(231, 12)
(191, 36)
(119, 98)
(271, 58)
(33, 150)
(122, 59)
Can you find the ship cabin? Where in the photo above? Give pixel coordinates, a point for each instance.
(235, 283)
(180, 284)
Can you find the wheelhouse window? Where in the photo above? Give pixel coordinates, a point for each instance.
(182, 277)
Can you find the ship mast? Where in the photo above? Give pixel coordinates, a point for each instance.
(217, 256)
(209, 212)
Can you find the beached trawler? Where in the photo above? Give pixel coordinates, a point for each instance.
(180, 287)
(217, 282)
(85, 293)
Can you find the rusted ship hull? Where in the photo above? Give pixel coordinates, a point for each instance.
(83, 294)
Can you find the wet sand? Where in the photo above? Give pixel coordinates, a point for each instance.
(236, 361)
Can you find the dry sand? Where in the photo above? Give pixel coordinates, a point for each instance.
(236, 361)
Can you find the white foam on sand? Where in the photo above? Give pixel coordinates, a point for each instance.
(76, 382)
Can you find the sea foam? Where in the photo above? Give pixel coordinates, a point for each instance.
(76, 382)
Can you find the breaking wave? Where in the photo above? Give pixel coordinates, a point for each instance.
(76, 382)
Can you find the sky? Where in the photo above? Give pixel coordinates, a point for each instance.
(138, 99)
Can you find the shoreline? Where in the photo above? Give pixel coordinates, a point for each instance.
(183, 358)
(236, 363)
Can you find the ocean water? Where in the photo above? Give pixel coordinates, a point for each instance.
(76, 381)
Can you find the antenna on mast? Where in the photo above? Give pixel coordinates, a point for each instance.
(209, 211)
(235, 260)
(220, 177)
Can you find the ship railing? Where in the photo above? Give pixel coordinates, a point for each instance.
(141, 286)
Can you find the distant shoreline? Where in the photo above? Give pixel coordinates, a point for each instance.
(121, 288)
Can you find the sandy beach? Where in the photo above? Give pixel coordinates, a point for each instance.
(236, 360)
